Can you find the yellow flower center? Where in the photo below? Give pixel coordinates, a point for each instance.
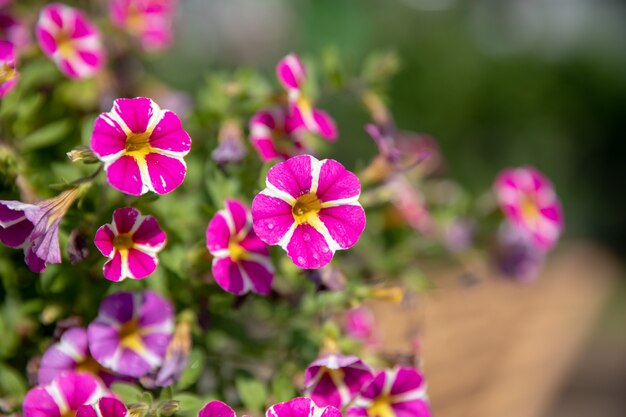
(123, 241)
(306, 208)
(69, 413)
(90, 365)
(530, 211)
(381, 407)
(138, 144)
(236, 251)
(6, 73)
(130, 335)
(65, 46)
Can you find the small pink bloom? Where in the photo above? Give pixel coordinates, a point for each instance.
(8, 72)
(4, 3)
(411, 205)
(336, 379)
(142, 147)
(131, 242)
(132, 332)
(529, 202)
(273, 134)
(241, 260)
(291, 72)
(63, 396)
(14, 31)
(399, 392)
(216, 409)
(148, 20)
(70, 40)
(104, 407)
(301, 407)
(310, 208)
(359, 323)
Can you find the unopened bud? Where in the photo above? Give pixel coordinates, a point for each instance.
(82, 153)
(167, 408)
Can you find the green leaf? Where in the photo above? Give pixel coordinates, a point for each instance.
(128, 393)
(282, 388)
(192, 372)
(253, 393)
(189, 404)
(46, 136)
(11, 382)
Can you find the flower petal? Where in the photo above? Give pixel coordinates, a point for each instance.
(217, 233)
(308, 249)
(272, 218)
(344, 223)
(104, 240)
(294, 176)
(124, 175)
(150, 233)
(166, 173)
(228, 275)
(141, 264)
(216, 409)
(168, 135)
(259, 275)
(136, 112)
(336, 182)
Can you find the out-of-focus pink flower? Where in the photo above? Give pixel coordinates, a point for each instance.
(148, 20)
(63, 396)
(310, 208)
(241, 260)
(336, 379)
(14, 31)
(399, 392)
(516, 255)
(359, 323)
(216, 409)
(104, 407)
(131, 242)
(300, 407)
(291, 73)
(35, 228)
(459, 235)
(529, 202)
(70, 40)
(411, 205)
(132, 332)
(142, 147)
(8, 72)
(273, 134)
(4, 3)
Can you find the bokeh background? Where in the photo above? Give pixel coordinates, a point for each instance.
(496, 82)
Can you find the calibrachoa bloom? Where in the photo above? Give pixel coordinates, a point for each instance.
(131, 333)
(310, 208)
(241, 260)
(148, 20)
(274, 135)
(131, 242)
(8, 73)
(301, 407)
(216, 409)
(399, 392)
(142, 146)
(292, 75)
(359, 323)
(14, 31)
(104, 407)
(35, 228)
(63, 396)
(71, 353)
(70, 40)
(529, 202)
(336, 379)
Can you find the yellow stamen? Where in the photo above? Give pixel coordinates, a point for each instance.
(529, 209)
(65, 46)
(381, 407)
(236, 251)
(89, 365)
(306, 208)
(123, 241)
(6, 73)
(138, 144)
(130, 336)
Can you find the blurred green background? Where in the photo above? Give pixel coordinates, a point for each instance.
(497, 82)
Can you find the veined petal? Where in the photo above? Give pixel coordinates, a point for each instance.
(166, 173)
(124, 175)
(294, 176)
(272, 218)
(308, 249)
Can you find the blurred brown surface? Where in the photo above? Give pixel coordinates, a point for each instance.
(500, 348)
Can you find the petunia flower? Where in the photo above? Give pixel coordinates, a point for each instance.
(301, 407)
(273, 134)
(216, 409)
(71, 353)
(67, 37)
(529, 202)
(35, 228)
(142, 147)
(176, 358)
(336, 379)
(131, 333)
(131, 242)
(241, 260)
(309, 208)
(359, 323)
(148, 20)
(14, 31)
(399, 392)
(8, 72)
(63, 396)
(104, 407)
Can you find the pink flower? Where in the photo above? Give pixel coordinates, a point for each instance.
(274, 135)
(104, 407)
(241, 260)
(148, 20)
(63, 396)
(71, 353)
(216, 409)
(529, 202)
(359, 323)
(131, 333)
(411, 205)
(291, 73)
(67, 37)
(310, 208)
(142, 147)
(336, 379)
(14, 31)
(301, 407)
(8, 72)
(131, 242)
(399, 392)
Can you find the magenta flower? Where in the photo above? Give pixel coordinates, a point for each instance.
(8, 72)
(216, 409)
(63, 396)
(273, 134)
(104, 407)
(142, 147)
(291, 73)
(148, 20)
(14, 31)
(131, 242)
(301, 407)
(359, 323)
(67, 37)
(131, 333)
(241, 260)
(71, 353)
(529, 202)
(310, 208)
(336, 379)
(399, 392)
